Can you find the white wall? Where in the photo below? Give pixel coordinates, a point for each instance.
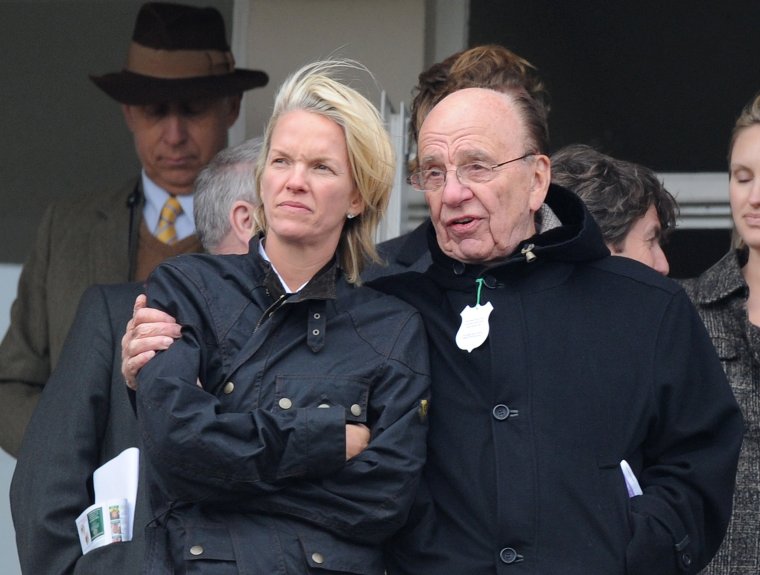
(8, 557)
(387, 37)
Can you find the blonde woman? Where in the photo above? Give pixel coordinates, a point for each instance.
(284, 431)
(728, 299)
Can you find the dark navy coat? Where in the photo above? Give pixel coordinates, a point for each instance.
(84, 419)
(590, 360)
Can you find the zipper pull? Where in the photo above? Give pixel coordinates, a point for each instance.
(527, 251)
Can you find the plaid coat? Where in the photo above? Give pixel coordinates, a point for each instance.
(720, 295)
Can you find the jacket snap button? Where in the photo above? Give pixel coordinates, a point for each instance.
(229, 387)
(324, 405)
(356, 410)
(508, 555)
(317, 558)
(285, 403)
(501, 412)
(196, 550)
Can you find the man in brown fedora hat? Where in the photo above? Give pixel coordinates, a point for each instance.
(180, 93)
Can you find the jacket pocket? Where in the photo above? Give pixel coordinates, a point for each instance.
(326, 554)
(614, 501)
(348, 392)
(125, 557)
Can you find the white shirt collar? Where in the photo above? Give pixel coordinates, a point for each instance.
(263, 254)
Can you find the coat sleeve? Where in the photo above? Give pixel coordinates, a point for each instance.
(24, 352)
(51, 483)
(690, 454)
(368, 499)
(192, 444)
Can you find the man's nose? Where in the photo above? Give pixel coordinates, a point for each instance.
(453, 191)
(175, 129)
(661, 261)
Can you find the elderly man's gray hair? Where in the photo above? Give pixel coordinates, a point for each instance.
(227, 178)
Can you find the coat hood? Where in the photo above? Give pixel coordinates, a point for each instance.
(566, 232)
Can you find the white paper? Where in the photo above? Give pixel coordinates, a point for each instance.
(631, 483)
(111, 519)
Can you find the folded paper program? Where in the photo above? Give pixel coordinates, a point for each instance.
(110, 519)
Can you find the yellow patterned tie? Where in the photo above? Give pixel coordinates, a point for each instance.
(165, 231)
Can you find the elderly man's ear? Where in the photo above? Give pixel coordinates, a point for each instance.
(242, 221)
(542, 175)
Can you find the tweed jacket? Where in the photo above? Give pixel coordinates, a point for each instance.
(79, 242)
(84, 418)
(87, 240)
(720, 295)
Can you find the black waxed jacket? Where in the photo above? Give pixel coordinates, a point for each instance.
(247, 469)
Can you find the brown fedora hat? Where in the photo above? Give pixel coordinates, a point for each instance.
(178, 52)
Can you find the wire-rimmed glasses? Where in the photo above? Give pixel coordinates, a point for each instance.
(433, 179)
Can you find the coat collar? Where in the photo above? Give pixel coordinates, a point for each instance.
(722, 280)
(321, 286)
(566, 232)
(415, 245)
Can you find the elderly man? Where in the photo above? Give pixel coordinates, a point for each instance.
(85, 418)
(580, 422)
(487, 66)
(180, 92)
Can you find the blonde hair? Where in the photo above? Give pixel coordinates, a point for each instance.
(315, 88)
(750, 116)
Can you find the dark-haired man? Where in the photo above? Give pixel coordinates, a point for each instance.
(629, 203)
